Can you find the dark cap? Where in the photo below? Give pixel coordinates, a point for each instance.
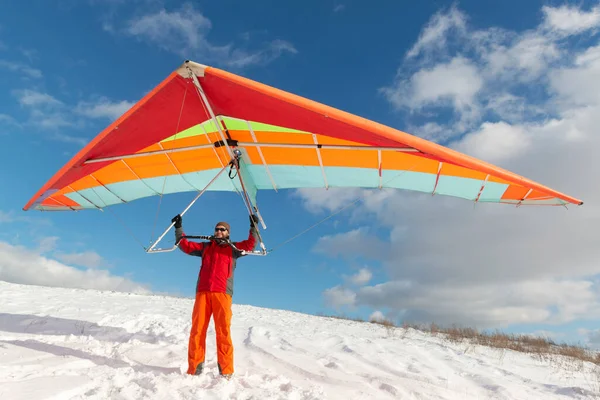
(224, 224)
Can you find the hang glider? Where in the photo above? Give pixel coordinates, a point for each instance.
(201, 120)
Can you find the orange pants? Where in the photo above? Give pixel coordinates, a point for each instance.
(219, 306)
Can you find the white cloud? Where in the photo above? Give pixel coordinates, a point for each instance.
(524, 59)
(357, 242)
(22, 265)
(185, 32)
(513, 108)
(12, 217)
(493, 265)
(49, 113)
(457, 67)
(32, 98)
(495, 142)
(455, 84)
(433, 37)
(30, 54)
(570, 19)
(242, 58)
(457, 81)
(362, 277)
(6, 119)
(487, 305)
(19, 67)
(579, 84)
(317, 200)
(431, 131)
(593, 337)
(338, 297)
(103, 108)
(51, 119)
(53, 115)
(89, 259)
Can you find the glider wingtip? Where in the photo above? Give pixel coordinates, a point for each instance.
(27, 206)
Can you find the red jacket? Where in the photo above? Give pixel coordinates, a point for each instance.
(218, 261)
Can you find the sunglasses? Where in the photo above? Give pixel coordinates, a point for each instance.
(220, 229)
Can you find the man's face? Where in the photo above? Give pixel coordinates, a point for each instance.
(221, 232)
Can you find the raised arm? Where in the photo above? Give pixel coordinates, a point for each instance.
(191, 248)
(250, 243)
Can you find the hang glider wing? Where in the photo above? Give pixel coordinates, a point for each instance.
(182, 133)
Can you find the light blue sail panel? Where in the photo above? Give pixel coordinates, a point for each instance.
(248, 179)
(222, 183)
(102, 196)
(81, 200)
(294, 176)
(288, 177)
(131, 190)
(409, 180)
(260, 177)
(465, 188)
(95, 197)
(170, 184)
(493, 191)
(192, 181)
(352, 177)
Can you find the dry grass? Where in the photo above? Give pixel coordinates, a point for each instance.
(539, 347)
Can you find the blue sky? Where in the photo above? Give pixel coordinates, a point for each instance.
(511, 83)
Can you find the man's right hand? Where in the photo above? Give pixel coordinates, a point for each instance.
(177, 220)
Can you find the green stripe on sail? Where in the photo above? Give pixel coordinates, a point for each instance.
(232, 124)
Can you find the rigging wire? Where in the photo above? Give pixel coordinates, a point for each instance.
(356, 200)
(165, 178)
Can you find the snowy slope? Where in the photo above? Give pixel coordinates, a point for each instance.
(71, 344)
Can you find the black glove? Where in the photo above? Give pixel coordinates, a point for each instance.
(177, 220)
(253, 220)
(221, 240)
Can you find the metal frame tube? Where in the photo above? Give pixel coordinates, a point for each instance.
(151, 248)
(235, 155)
(210, 110)
(147, 153)
(256, 144)
(247, 201)
(320, 161)
(228, 241)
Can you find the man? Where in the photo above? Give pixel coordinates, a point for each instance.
(214, 291)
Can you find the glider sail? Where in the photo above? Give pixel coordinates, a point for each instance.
(180, 135)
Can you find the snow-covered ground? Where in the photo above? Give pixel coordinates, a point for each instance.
(60, 343)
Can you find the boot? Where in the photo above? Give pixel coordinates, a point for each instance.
(199, 369)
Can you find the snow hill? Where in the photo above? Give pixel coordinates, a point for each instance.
(58, 343)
